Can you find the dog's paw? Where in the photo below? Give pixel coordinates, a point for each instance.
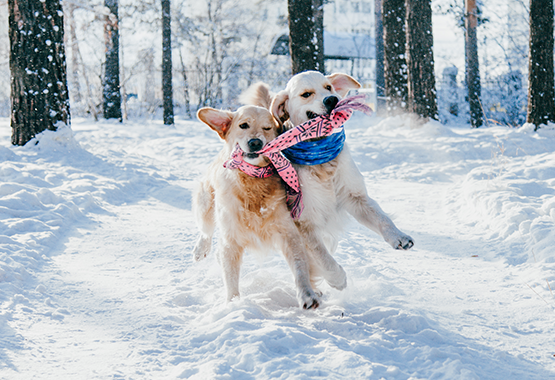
(403, 242)
(202, 247)
(308, 299)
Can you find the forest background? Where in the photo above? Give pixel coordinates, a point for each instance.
(220, 47)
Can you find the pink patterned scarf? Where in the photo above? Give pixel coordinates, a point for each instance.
(320, 126)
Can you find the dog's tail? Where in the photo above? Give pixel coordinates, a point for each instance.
(257, 94)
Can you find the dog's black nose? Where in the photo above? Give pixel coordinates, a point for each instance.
(255, 145)
(330, 102)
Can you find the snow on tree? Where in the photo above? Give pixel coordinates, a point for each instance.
(167, 62)
(380, 79)
(38, 68)
(395, 64)
(306, 35)
(541, 97)
(472, 64)
(420, 59)
(111, 95)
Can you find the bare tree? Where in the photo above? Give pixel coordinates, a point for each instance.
(38, 68)
(541, 96)
(167, 62)
(395, 64)
(111, 87)
(472, 64)
(420, 59)
(303, 36)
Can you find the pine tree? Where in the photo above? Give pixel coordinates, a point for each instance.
(38, 68)
(420, 59)
(541, 102)
(111, 95)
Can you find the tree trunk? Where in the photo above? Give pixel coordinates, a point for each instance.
(318, 7)
(167, 62)
(541, 102)
(74, 45)
(39, 91)
(111, 88)
(305, 53)
(380, 80)
(395, 64)
(472, 64)
(420, 59)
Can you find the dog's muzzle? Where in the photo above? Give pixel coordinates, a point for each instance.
(254, 146)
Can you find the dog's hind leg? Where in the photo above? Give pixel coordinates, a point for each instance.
(333, 273)
(298, 260)
(203, 210)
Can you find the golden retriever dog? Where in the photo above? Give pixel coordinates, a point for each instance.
(250, 212)
(333, 189)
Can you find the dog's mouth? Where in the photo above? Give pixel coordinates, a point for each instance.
(311, 115)
(251, 155)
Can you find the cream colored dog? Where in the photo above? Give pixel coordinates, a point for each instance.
(249, 212)
(333, 189)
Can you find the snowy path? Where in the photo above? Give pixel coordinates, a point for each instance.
(121, 298)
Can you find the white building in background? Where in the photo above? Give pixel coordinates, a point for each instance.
(354, 19)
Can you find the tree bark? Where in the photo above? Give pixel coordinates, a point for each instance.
(74, 45)
(380, 80)
(472, 64)
(111, 95)
(305, 48)
(541, 97)
(318, 7)
(167, 89)
(39, 91)
(420, 59)
(395, 64)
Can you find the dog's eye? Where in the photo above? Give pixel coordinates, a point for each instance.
(244, 126)
(328, 87)
(306, 94)
(267, 129)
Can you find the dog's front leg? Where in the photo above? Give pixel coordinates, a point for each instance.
(367, 212)
(231, 255)
(203, 210)
(352, 195)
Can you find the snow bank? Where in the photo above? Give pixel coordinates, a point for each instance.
(38, 204)
(96, 278)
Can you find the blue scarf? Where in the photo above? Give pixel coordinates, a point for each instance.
(316, 152)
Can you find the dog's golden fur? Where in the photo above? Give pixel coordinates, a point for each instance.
(249, 212)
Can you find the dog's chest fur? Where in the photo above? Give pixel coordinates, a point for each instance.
(249, 208)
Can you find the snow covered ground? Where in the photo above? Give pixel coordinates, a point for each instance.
(97, 279)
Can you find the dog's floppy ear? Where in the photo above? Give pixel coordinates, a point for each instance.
(343, 83)
(279, 107)
(219, 121)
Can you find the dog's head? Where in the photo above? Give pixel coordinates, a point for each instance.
(310, 94)
(251, 127)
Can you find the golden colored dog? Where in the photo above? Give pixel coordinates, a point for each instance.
(333, 189)
(249, 212)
